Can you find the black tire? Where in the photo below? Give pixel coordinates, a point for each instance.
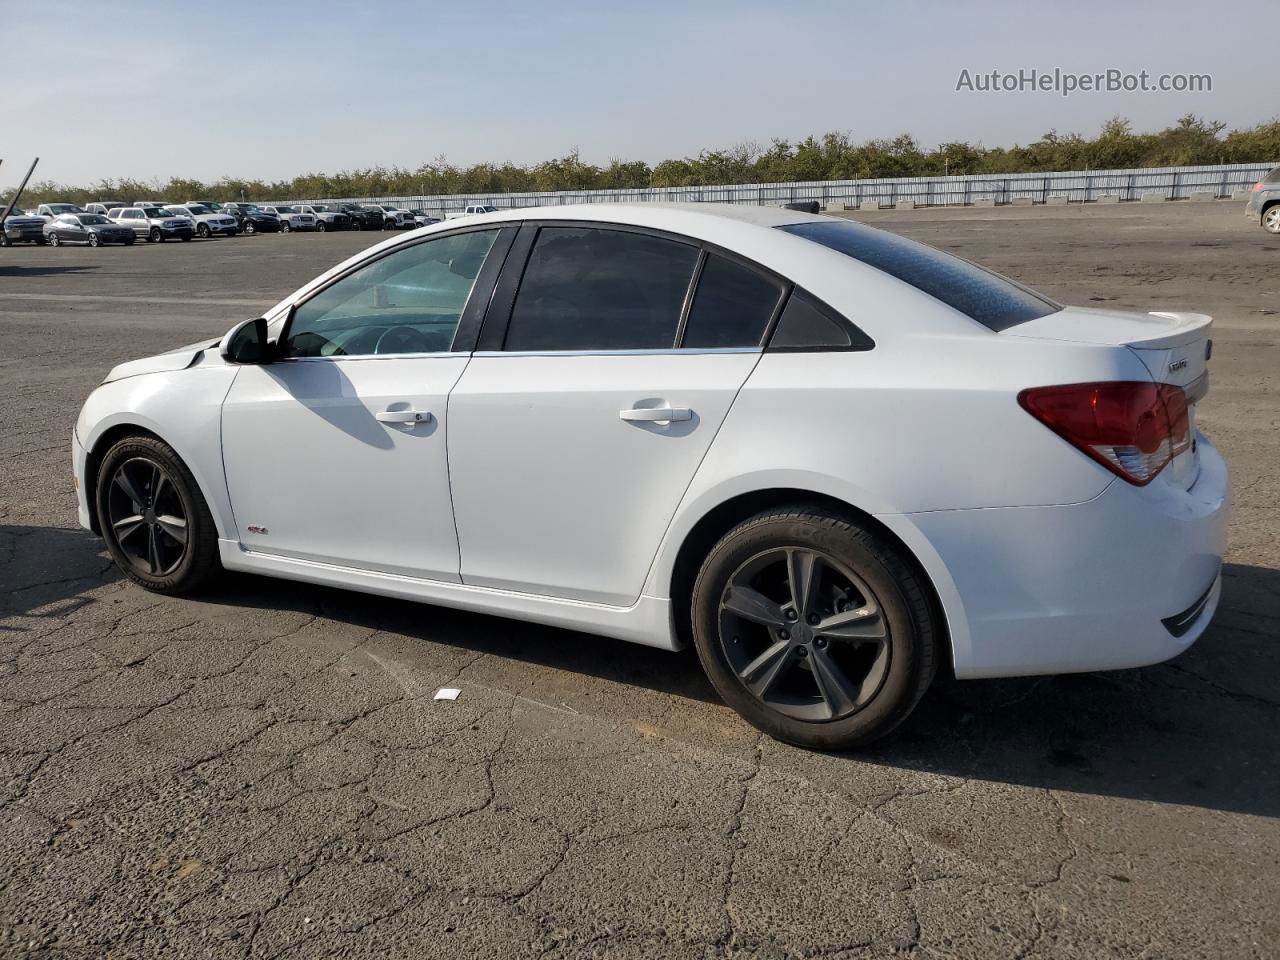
(1271, 219)
(5, 241)
(852, 563)
(320, 227)
(55, 240)
(357, 223)
(155, 236)
(94, 240)
(202, 231)
(184, 237)
(197, 564)
(249, 229)
(129, 242)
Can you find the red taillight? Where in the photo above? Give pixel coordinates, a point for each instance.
(1257, 187)
(1133, 429)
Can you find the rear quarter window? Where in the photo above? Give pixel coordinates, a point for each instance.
(994, 301)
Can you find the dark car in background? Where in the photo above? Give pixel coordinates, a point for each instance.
(90, 229)
(362, 218)
(21, 227)
(1264, 202)
(252, 218)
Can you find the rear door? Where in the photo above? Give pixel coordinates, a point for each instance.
(606, 367)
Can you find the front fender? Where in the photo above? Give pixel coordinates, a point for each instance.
(184, 409)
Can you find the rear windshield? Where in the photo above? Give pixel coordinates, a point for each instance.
(994, 301)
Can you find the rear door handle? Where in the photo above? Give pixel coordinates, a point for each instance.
(652, 414)
(402, 416)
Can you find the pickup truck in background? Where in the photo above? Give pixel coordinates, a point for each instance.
(471, 209)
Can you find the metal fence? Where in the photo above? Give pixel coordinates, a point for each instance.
(1076, 186)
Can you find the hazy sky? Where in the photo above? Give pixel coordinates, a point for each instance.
(274, 89)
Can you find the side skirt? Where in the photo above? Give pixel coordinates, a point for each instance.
(647, 622)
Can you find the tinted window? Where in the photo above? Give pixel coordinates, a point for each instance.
(1273, 176)
(992, 300)
(409, 301)
(731, 307)
(591, 289)
(809, 324)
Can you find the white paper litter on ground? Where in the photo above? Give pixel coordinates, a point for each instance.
(447, 693)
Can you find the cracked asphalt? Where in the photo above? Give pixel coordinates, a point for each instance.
(261, 772)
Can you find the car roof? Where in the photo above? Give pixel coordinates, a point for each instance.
(645, 214)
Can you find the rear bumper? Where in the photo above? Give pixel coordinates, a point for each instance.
(24, 233)
(1129, 578)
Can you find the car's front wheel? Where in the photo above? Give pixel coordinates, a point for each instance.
(55, 240)
(813, 628)
(154, 519)
(155, 236)
(249, 229)
(1271, 219)
(284, 226)
(320, 227)
(202, 231)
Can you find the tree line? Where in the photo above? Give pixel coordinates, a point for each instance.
(832, 156)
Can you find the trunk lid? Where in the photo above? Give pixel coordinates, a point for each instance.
(1174, 347)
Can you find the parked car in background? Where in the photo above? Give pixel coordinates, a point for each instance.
(154, 224)
(471, 210)
(252, 218)
(422, 218)
(1264, 202)
(394, 218)
(89, 229)
(362, 217)
(213, 205)
(327, 217)
(648, 412)
(291, 218)
(50, 210)
(208, 223)
(105, 207)
(22, 227)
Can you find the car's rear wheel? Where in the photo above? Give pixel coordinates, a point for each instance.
(814, 629)
(154, 519)
(1271, 219)
(55, 240)
(155, 236)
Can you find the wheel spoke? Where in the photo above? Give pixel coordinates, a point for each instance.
(153, 550)
(833, 686)
(765, 670)
(175, 527)
(752, 605)
(862, 623)
(125, 483)
(802, 577)
(127, 526)
(157, 483)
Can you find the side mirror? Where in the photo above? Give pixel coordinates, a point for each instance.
(246, 342)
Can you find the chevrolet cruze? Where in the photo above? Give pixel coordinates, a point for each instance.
(833, 459)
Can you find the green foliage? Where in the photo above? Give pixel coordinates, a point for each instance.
(833, 156)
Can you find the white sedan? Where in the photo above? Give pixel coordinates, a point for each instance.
(833, 459)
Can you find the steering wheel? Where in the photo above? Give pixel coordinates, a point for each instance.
(401, 340)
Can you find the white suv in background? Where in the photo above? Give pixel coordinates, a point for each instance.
(209, 223)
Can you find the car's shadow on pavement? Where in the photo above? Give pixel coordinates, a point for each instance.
(1200, 730)
(18, 270)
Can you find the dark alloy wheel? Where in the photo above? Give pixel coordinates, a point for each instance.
(94, 239)
(815, 630)
(153, 517)
(202, 231)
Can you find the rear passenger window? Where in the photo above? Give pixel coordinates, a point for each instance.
(586, 288)
(807, 324)
(731, 307)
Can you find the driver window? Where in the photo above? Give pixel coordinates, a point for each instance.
(409, 301)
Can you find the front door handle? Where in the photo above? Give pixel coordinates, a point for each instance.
(402, 416)
(659, 414)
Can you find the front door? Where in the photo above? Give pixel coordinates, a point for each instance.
(336, 451)
(571, 447)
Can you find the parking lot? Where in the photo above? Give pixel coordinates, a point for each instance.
(262, 772)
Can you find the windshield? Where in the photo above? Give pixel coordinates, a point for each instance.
(994, 301)
(93, 218)
(64, 208)
(157, 212)
(285, 210)
(198, 209)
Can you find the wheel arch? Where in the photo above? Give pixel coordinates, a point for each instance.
(719, 519)
(93, 462)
